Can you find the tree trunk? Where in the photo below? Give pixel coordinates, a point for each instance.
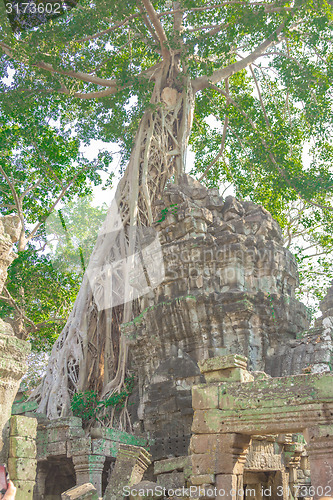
(90, 353)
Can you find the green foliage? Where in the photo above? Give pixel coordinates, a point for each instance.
(87, 406)
(276, 109)
(44, 285)
(71, 233)
(165, 210)
(43, 294)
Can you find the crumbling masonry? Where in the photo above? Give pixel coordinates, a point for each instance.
(223, 322)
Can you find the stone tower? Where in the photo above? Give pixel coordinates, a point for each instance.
(229, 287)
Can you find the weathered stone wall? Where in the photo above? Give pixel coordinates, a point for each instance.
(22, 462)
(68, 456)
(229, 413)
(13, 352)
(13, 355)
(229, 287)
(312, 352)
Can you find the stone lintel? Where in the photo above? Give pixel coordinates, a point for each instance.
(268, 420)
(230, 367)
(275, 393)
(117, 436)
(65, 422)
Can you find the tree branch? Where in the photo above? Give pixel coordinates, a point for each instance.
(109, 30)
(148, 23)
(228, 3)
(9, 299)
(224, 136)
(203, 82)
(261, 100)
(31, 187)
(158, 27)
(78, 75)
(17, 200)
(112, 84)
(266, 146)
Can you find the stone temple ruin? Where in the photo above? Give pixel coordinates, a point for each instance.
(233, 392)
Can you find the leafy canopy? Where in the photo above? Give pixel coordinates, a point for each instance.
(262, 69)
(43, 282)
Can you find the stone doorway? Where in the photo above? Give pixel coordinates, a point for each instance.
(263, 485)
(54, 476)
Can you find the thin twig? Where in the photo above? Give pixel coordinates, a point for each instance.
(224, 136)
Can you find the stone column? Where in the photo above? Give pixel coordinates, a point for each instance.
(320, 450)
(230, 461)
(13, 355)
(89, 469)
(22, 462)
(229, 486)
(131, 463)
(222, 455)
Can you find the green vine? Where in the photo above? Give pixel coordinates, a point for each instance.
(87, 406)
(272, 307)
(166, 210)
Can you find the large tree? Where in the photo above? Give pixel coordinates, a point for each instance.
(41, 167)
(137, 72)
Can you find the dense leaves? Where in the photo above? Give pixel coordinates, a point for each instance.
(87, 405)
(262, 72)
(43, 282)
(43, 296)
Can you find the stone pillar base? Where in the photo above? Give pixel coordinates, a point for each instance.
(89, 469)
(229, 487)
(320, 450)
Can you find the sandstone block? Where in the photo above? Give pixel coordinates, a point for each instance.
(22, 447)
(19, 408)
(203, 463)
(227, 486)
(23, 469)
(223, 363)
(207, 421)
(203, 443)
(58, 449)
(84, 492)
(79, 445)
(171, 464)
(23, 426)
(171, 480)
(198, 480)
(25, 489)
(205, 397)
